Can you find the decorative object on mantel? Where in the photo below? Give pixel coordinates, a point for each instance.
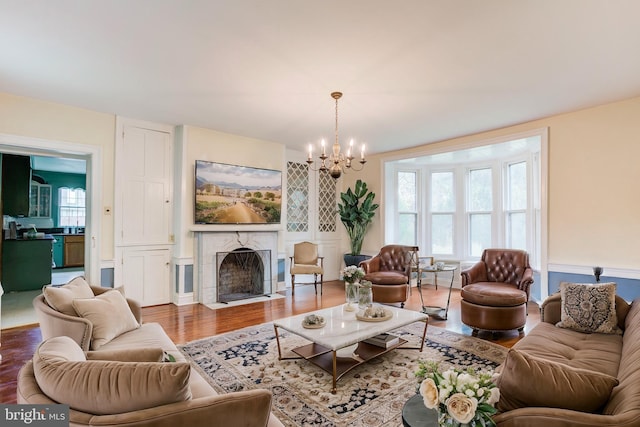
(233, 194)
(597, 271)
(337, 162)
(356, 211)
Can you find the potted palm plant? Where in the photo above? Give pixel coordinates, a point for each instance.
(356, 209)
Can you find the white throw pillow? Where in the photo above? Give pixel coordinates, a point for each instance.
(110, 315)
(60, 298)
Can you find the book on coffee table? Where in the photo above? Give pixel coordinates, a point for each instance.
(384, 340)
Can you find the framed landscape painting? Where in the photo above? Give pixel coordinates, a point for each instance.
(231, 194)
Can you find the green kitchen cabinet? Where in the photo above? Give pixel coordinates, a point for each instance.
(26, 264)
(58, 250)
(16, 181)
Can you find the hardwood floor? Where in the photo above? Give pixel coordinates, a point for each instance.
(188, 323)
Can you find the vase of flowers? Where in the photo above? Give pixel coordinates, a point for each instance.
(461, 397)
(351, 276)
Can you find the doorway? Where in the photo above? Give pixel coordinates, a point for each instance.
(92, 155)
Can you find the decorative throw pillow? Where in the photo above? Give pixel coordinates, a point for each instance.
(590, 308)
(107, 387)
(60, 297)
(528, 381)
(110, 315)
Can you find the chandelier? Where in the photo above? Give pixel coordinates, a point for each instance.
(336, 162)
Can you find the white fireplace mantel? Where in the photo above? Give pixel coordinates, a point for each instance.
(212, 228)
(209, 242)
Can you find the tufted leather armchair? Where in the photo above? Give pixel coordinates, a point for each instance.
(495, 291)
(389, 272)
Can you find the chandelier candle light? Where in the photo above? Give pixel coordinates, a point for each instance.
(337, 162)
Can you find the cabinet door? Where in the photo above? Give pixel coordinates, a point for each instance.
(44, 201)
(145, 184)
(58, 251)
(73, 251)
(16, 178)
(147, 275)
(40, 200)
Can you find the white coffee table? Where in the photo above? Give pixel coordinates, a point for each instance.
(343, 329)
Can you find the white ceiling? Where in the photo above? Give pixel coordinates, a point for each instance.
(412, 71)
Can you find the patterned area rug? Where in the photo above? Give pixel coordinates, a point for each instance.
(371, 395)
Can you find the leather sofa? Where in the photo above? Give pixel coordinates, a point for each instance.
(389, 273)
(495, 291)
(573, 356)
(204, 406)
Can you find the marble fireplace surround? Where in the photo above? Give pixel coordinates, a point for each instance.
(210, 242)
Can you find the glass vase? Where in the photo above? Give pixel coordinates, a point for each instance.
(365, 297)
(351, 291)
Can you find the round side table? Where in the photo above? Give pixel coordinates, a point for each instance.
(415, 414)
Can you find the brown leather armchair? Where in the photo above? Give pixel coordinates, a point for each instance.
(495, 291)
(390, 272)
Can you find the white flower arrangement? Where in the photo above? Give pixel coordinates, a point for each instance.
(352, 273)
(462, 398)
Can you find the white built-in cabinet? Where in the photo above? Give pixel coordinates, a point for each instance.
(147, 273)
(328, 240)
(143, 207)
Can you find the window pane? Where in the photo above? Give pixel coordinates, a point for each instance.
(517, 197)
(407, 229)
(442, 196)
(71, 202)
(479, 233)
(517, 223)
(480, 194)
(442, 234)
(407, 191)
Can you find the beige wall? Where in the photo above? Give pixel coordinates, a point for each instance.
(593, 205)
(55, 122)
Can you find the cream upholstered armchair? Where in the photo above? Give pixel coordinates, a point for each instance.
(305, 260)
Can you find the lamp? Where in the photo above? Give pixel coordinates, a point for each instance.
(336, 162)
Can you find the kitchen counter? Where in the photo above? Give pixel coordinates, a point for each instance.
(26, 263)
(25, 239)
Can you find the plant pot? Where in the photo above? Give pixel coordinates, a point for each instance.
(354, 259)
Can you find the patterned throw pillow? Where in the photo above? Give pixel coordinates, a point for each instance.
(589, 308)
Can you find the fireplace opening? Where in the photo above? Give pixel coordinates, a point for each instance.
(241, 274)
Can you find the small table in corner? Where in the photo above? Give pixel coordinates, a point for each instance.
(415, 414)
(439, 313)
